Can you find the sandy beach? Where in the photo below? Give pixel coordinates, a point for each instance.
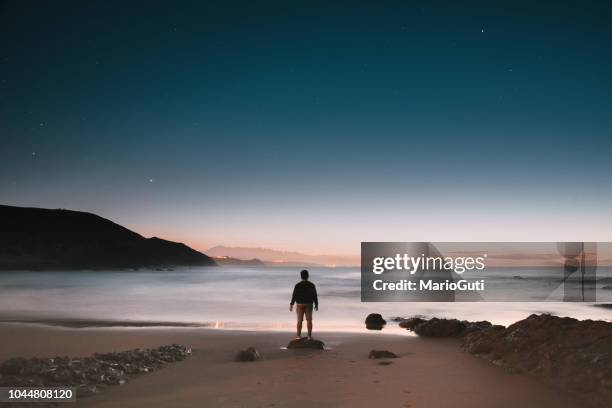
(429, 373)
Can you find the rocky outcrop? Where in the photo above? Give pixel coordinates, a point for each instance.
(382, 354)
(88, 375)
(442, 327)
(306, 343)
(568, 353)
(411, 322)
(375, 321)
(249, 354)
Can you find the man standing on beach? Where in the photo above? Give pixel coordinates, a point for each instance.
(304, 294)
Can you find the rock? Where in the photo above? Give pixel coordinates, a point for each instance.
(568, 353)
(603, 305)
(443, 327)
(250, 354)
(385, 363)
(484, 341)
(375, 321)
(411, 322)
(13, 366)
(440, 328)
(306, 343)
(88, 375)
(87, 391)
(476, 326)
(382, 354)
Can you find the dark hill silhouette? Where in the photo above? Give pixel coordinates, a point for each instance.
(37, 238)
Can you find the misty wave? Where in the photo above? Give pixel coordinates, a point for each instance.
(234, 297)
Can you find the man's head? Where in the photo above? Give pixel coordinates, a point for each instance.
(304, 274)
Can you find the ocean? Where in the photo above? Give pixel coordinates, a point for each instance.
(250, 298)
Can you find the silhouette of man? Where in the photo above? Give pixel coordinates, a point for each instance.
(304, 294)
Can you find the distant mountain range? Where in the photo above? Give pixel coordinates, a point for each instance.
(37, 238)
(229, 261)
(275, 257)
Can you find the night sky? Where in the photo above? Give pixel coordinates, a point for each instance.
(312, 126)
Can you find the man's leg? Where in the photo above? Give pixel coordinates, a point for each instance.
(300, 316)
(309, 320)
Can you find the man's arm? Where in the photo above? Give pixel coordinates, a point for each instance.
(292, 298)
(315, 298)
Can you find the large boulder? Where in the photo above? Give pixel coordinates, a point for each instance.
(381, 354)
(306, 343)
(249, 354)
(571, 354)
(375, 321)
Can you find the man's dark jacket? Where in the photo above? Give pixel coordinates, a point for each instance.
(305, 293)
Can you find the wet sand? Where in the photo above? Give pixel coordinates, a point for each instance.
(429, 373)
